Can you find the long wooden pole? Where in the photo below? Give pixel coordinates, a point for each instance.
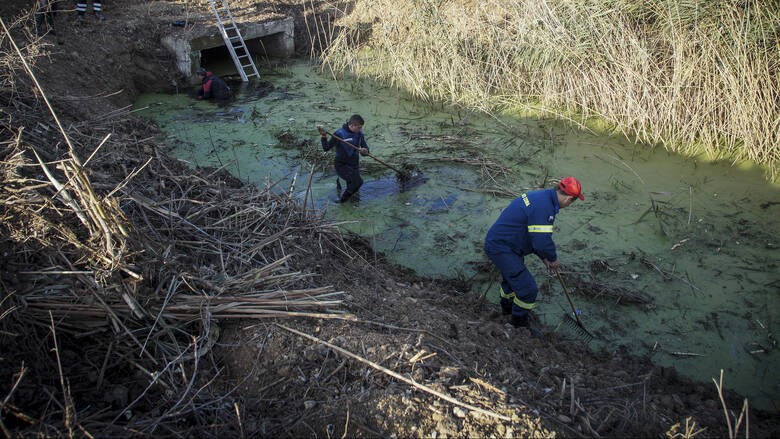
(322, 130)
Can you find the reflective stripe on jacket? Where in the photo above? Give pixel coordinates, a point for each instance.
(526, 226)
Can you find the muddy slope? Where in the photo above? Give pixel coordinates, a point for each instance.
(438, 335)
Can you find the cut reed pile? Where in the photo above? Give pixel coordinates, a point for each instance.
(696, 76)
(117, 268)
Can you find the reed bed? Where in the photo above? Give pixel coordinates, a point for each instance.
(118, 269)
(699, 77)
(200, 256)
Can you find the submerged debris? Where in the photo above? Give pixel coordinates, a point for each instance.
(604, 291)
(410, 177)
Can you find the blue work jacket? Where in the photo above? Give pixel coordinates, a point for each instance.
(344, 153)
(526, 226)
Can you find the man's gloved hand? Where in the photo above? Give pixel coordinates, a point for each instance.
(322, 131)
(553, 266)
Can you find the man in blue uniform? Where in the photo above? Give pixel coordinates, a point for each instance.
(525, 227)
(350, 144)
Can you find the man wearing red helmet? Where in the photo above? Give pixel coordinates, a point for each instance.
(525, 227)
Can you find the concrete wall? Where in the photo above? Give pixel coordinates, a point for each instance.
(274, 39)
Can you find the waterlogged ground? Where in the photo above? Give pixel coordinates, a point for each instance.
(669, 257)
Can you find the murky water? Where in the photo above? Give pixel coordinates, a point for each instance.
(698, 240)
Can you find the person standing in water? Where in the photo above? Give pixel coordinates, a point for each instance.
(350, 143)
(212, 86)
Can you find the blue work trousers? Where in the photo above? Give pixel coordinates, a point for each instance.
(518, 285)
(351, 174)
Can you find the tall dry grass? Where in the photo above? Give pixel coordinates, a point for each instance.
(116, 268)
(697, 76)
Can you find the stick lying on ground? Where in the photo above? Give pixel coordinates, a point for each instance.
(401, 175)
(397, 375)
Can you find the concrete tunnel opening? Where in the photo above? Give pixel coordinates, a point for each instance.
(264, 41)
(262, 49)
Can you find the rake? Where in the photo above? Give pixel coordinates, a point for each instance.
(574, 322)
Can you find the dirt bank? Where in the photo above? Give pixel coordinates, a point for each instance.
(259, 377)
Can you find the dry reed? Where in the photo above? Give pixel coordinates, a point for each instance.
(117, 270)
(699, 77)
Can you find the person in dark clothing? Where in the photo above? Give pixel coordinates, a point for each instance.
(212, 86)
(525, 227)
(350, 144)
(44, 17)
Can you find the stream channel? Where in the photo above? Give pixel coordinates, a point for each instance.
(671, 257)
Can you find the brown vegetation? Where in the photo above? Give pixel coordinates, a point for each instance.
(142, 297)
(698, 77)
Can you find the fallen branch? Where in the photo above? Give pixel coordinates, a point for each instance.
(396, 375)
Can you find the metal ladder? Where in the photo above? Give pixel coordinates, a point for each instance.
(233, 40)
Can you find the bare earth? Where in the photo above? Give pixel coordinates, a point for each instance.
(438, 334)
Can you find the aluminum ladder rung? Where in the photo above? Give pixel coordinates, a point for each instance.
(234, 43)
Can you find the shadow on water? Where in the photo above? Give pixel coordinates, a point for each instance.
(670, 257)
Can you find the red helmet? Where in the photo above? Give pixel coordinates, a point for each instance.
(571, 186)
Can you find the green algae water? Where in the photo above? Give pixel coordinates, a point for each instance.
(669, 257)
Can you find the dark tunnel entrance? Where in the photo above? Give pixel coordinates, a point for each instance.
(216, 56)
(211, 52)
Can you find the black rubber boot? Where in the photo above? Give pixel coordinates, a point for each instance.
(525, 322)
(519, 322)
